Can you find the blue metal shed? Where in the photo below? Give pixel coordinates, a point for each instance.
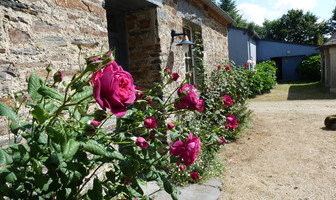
(287, 56)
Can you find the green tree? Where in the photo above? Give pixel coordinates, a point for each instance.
(230, 7)
(295, 26)
(330, 26)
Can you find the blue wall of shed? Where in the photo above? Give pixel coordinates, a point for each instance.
(269, 49)
(290, 54)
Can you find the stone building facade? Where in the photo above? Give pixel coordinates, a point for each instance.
(36, 33)
(147, 33)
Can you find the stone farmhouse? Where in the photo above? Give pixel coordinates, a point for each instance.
(38, 33)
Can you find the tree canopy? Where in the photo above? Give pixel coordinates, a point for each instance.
(330, 26)
(295, 26)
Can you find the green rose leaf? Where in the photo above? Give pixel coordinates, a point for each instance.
(5, 159)
(7, 112)
(85, 94)
(39, 114)
(94, 148)
(34, 83)
(70, 149)
(50, 93)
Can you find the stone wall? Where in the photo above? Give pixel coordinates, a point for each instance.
(34, 33)
(144, 47)
(175, 14)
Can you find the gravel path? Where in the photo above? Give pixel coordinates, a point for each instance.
(287, 154)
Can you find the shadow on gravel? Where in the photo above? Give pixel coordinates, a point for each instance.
(309, 91)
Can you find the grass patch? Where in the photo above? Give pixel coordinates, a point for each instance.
(297, 91)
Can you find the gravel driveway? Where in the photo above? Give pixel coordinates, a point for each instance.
(287, 154)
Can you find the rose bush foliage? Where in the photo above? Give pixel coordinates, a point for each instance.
(68, 151)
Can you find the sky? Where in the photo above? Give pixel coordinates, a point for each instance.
(259, 10)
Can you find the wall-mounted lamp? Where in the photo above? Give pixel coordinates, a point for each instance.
(185, 43)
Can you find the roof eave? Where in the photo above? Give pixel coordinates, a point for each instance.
(220, 11)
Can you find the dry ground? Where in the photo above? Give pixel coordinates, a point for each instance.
(287, 153)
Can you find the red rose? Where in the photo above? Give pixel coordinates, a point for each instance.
(227, 100)
(189, 99)
(171, 126)
(95, 123)
(188, 150)
(141, 142)
(175, 76)
(227, 67)
(113, 88)
(232, 122)
(222, 141)
(194, 175)
(150, 122)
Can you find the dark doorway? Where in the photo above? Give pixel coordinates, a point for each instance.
(117, 36)
(278, 62)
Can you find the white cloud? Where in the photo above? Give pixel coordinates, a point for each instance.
(272, 9)
(285, 5)
(252, 12)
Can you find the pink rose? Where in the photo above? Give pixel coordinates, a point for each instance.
(167, 70)
(113, 88)
(194, 175)
(222, 141)
(218, 66)
(227, 67)
(182, 167)
(141, 142)
(95, 123)
(232, 122)
(189, 99)
(187, 151)
(227, 100)
(150, 122)
(171, 126)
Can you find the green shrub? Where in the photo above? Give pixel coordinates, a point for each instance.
(263, 79)
(310, 68)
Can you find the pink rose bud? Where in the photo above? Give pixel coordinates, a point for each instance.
(95, 123)
(152, 135)
(222, 141)
(150, 122)
(139, 94)
(227, 67)
(175, 76)
(167, 70)
(194, 175)
(218, 66)
(171, 126)
(182, 167)
(149, 100)
(58, 77)
(141, 142)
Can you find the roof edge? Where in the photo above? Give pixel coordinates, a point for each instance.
(220, 11)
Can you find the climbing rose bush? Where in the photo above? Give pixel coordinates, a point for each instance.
(69, 150)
